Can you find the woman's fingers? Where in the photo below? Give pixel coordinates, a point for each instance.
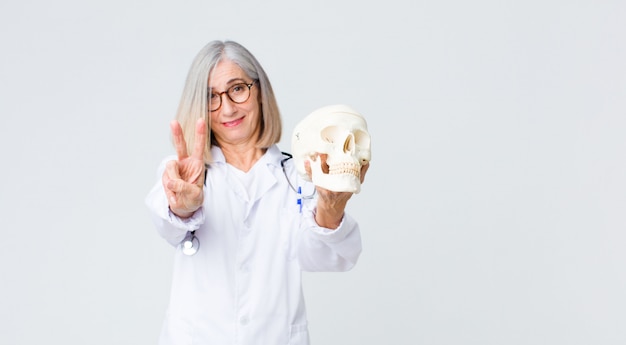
(364, 170)
(171, 169)
(179, 140)
(182, 177)
(182, 197)
(170, 176)
(181, 144)
(307, 169)
(188, 199)
(200, 144)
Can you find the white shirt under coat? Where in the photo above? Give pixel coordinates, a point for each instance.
(244, 286)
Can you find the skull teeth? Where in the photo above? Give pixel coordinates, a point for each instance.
(345, 168)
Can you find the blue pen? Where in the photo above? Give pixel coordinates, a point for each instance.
(300, 198)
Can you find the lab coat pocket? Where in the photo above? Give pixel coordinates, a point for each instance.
(299, 335)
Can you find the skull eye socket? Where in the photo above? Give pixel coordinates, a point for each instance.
(334, 135)
(362, 138)
(329, 134)
(351, 141)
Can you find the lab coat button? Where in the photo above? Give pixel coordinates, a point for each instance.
(244, 320)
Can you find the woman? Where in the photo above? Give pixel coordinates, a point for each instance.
(235, 192)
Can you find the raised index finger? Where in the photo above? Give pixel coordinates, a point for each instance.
(179, 140)
(200, 144)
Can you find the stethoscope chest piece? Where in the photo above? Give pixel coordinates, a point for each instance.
(190, 244)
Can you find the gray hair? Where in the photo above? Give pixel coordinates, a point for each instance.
(194, 105)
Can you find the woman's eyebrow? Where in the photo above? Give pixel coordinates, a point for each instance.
(230, 82)
(235, 80)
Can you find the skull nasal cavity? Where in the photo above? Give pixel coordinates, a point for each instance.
(348, 145)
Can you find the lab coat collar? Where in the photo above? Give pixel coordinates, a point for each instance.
(265, 170)
(272, 156)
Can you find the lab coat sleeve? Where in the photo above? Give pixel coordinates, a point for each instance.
(329, 250)
(171, 227)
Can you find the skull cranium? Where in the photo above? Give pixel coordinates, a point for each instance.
(339, 132)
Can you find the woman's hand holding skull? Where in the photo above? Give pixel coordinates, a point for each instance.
(331, 205)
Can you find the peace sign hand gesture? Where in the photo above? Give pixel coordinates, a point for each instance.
(183, 179)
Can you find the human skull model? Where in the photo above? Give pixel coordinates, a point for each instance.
(341, 133)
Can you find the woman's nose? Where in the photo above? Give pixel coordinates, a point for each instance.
(228, 106)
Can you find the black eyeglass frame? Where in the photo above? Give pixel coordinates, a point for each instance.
(219, 94)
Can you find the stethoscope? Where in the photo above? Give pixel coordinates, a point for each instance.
(190, 244)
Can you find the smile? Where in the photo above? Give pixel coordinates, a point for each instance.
(233, 123)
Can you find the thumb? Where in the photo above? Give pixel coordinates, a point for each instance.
(177, 186)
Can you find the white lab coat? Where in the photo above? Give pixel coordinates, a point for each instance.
(243, 286)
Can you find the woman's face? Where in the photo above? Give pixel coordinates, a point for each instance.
(234, 123)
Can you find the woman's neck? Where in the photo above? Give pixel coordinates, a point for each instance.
(242, 158)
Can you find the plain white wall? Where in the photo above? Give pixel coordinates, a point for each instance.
(494, 211)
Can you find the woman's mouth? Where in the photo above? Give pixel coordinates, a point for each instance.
(233, 123)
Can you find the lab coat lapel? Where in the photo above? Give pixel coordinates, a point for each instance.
(232, 180)
(236, 186)
(265, 171)
(264, 180)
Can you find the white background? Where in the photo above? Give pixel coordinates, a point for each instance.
(494, 211)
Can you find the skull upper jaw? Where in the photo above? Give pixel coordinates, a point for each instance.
(336, 177)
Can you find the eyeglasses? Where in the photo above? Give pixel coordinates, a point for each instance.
(237, 93)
